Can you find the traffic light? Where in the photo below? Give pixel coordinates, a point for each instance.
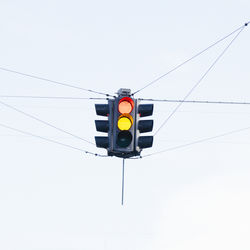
(144, 126)
(124, 125)
(103, 125)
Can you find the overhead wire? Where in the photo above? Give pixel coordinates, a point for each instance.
(140, 99)
(50, 140)
(52, 81)
(190, 59)
(195, 101)
(196, 85)
(197, 141)
(44, 122)
(53, 97)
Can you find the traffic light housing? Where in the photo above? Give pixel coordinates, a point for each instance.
(103, 125)
(144, 126)
(124, 125)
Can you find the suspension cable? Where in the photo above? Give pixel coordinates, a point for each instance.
(197, 141)
(44, 122)
(195, 101)
(190, 59)
(141, 99)
(53, 97)
(50, 140)
(52, 81)
(203, 76)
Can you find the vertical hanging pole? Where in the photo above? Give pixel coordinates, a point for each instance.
(123, 163)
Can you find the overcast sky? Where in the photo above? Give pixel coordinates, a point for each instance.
(54, 197)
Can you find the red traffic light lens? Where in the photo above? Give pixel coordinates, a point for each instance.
(126, 105)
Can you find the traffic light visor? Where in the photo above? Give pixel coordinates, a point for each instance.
(126, 105)
(125, 122)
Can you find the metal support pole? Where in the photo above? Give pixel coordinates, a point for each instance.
(123, 163)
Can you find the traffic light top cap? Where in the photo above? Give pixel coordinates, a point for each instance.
(124, 92)
(126, 105)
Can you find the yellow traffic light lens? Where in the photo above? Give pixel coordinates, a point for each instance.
(126, 105)
(125, 122)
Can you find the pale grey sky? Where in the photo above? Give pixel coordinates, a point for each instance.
(52, 197)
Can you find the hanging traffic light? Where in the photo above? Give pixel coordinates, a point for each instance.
(124, 125)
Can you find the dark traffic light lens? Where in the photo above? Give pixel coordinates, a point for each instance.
(124, 139)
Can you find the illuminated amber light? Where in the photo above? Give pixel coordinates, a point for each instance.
(125, 122)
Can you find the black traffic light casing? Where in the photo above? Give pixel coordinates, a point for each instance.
(124, 125)
(123, 140)
(144, 126)
(104, 125)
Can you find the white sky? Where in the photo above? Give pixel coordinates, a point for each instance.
(52, 197)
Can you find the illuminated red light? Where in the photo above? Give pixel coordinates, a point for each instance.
(126, 105)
